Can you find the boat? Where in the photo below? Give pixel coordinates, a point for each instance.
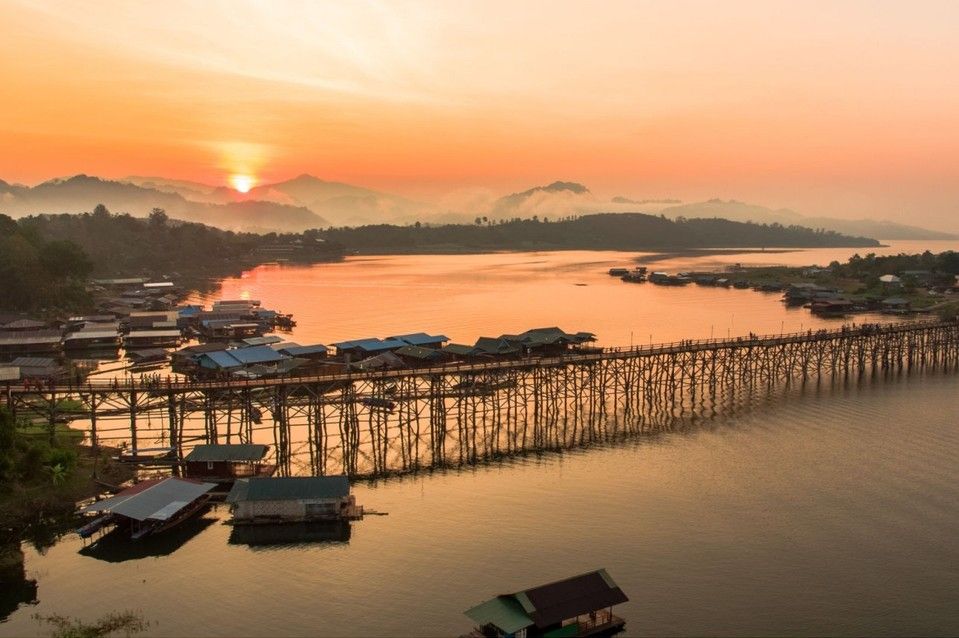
(154, 455)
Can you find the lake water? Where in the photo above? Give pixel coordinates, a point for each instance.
(829, 509)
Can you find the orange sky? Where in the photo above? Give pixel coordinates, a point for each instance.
(840, 108)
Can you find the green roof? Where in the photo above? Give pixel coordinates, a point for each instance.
(235, 452)
(502, 612)
(289, 488)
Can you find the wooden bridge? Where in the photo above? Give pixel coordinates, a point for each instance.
(376, 423)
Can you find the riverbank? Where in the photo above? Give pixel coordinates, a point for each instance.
(45, 477)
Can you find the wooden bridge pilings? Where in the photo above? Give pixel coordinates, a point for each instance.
(376, 423)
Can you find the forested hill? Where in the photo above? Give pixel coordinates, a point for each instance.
(45, 260)
(605, 231)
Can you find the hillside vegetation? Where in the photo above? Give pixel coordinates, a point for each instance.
(605, 231)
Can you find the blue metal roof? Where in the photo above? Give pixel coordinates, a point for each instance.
(370, 345)
(256, 354)
(218, 359)
(420, 338)
(295, 350)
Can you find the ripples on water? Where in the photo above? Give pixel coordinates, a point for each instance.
(828, 510)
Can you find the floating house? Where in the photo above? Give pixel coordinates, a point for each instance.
(185, 360)
(147, 357)
(358, 349)
(93, 337)
(618, 272)
(895, 305)
(231, 328)
(497, 347)
(578, 606)
(832, 307)
(169, 338)
(149, 507)
(31, 341)
(460, 352)
(219, 463)
(293, 499)
(238, 358)
(422, 340)
(548, 340)
(313, 352)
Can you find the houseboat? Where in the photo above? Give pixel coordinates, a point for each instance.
(149, 507)
(618, 272)
(293, 499)
(577, 606)
(224, 464)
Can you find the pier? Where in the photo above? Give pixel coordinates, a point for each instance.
(379, 423)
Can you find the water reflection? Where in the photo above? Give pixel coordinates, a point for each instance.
(290, 534)
(15, 588)
(116, 546)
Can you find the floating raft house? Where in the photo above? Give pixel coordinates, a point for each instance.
(578, 606)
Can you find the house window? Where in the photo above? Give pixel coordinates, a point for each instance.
(209, 465)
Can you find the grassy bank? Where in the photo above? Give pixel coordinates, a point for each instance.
(44, 476)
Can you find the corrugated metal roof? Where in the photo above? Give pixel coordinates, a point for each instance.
(24, 324)
(92, 335)
(262, 341)
(256, 354)
(555, 602)
(420, 338)
(34, 362)
(9, 373)
(34, 337)
(289, 488)
(460, 349)
(158, 501)
(502, 612)
(493, 345)
(370, 345)
(231, 452)
(298, 351)
(219, 359)
(145, 334)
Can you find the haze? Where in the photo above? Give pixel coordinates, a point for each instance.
(846, 109)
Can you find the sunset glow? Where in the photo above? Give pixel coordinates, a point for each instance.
(242, 183)
(845, 109)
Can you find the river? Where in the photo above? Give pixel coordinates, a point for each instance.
(829, 509)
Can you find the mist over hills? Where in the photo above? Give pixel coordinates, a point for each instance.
(307, 202)
(82, 193)
(741, 211)
(339, 204)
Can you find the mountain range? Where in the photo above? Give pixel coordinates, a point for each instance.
(309, 202)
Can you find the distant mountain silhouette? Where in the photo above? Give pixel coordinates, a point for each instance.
(558, 198)
(82, 193)
(338, 203)
(741, 211)
(342, 204)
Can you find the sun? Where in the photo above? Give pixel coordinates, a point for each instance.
(242, 183)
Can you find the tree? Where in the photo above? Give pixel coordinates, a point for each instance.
(64, 259)
(158, 217)
(101, 211)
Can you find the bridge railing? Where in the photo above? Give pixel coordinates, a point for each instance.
(169, 383)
